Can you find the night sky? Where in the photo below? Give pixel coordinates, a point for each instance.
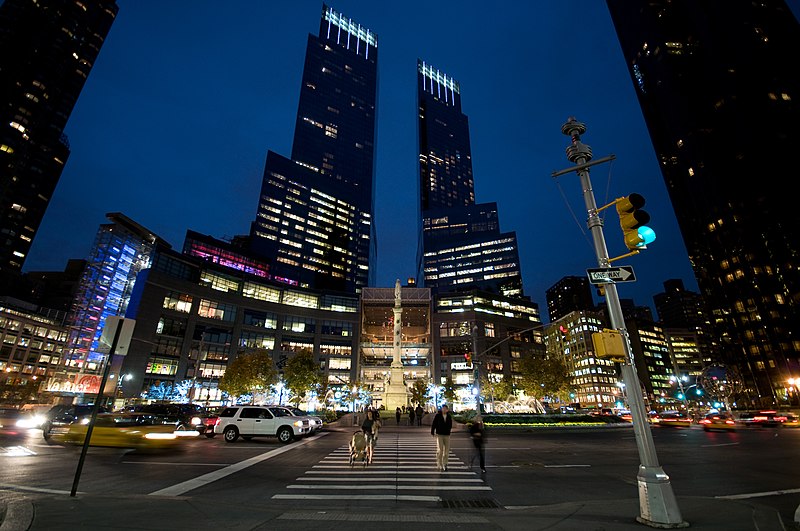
(175, 120)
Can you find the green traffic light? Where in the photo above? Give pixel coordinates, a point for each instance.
(647, 235)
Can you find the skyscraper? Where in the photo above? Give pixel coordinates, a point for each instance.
(315, 220)
(570, 294)
(460, 246)
(720, 104)
(49, 48)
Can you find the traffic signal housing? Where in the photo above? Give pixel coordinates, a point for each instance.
(633, 221)
(609, 345)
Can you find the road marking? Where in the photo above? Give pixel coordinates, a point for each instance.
(567, 466)
(402, 497)
(460, 480)
(361, 472)
(390, 486)
(722, 444)
(205, 479)
(362, 518)
(33, 489)
(172, 464)
(758, 494)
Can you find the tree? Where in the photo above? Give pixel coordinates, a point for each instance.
(498, 391)
(419, 391)
(449, 391)
(301, 374)
(249, 373)
(542, 377)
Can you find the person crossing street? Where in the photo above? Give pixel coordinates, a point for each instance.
(440, 428)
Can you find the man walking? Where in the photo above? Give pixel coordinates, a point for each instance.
(440, 428)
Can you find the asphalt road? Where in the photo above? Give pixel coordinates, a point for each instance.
(524, 468)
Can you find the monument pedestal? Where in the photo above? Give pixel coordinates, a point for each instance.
(395, 393)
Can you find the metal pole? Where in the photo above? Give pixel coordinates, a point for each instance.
(475, 373)
(95, 409)
(657, 504)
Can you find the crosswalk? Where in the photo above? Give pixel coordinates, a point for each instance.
(403, 469)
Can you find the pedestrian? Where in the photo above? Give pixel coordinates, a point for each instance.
(477, 431)
(397, 414)
(419, 413)
(368, 427)
(440, 428)
(410, 416)
(376, 417)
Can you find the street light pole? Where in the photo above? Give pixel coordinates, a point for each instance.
(657, 504)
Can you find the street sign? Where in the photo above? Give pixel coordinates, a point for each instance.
(611, 275)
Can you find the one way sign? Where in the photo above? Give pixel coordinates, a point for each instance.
(611, 275)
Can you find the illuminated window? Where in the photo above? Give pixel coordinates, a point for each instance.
(296, 298)
(292, 323)
(261, 292)
(178, 301)
(216, 310)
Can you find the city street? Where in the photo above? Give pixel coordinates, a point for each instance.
(524, 469)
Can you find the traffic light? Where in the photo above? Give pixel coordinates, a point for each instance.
(468, 357)
(633, 221)
(564, 333)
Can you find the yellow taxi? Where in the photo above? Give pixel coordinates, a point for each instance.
(718, 421)
(126, 430)
(672, 419)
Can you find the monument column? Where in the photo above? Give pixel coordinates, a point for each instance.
(396, 394)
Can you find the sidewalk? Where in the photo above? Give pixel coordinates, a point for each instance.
(21, 511)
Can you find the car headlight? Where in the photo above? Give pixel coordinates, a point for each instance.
(298, 423)
(196, 421)
(85, 420)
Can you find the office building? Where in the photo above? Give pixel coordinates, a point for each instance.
(461, 246)
(195, 312)
(122, 249)
(49, 48)
(570, 294)
(717, 95)
(315, 223)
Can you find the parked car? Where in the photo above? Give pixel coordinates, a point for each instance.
(718, 421)
(64, 415)
(183, 417)
(314, 422)
(209, 420)
(141, 431)
(260, 421)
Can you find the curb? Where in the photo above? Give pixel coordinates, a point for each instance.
(16, 516)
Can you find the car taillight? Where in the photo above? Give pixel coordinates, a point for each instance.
(729, 422)
(217, 421)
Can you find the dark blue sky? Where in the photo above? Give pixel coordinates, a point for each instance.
(174, 123)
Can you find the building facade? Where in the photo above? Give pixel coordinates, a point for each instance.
(483, 334)
(315, 221)
(377, 339)
(460, 243)
(121, 250)
(49, 50)
(712, 82)
(568, 295)
(195, 314)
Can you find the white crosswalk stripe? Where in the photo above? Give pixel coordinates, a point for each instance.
(402, 464)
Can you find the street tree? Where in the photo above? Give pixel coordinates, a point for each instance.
(449, 391)
(301, 375)
(249, 374)
(492, 390)
(419, 390)
(545, 377)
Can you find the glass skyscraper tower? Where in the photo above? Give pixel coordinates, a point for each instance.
(720, 100)
(48, 49)
(460, 247)
(315, 224)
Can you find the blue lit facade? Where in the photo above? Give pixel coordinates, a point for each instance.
(315, 223)
(460, 247)
(120, 251)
